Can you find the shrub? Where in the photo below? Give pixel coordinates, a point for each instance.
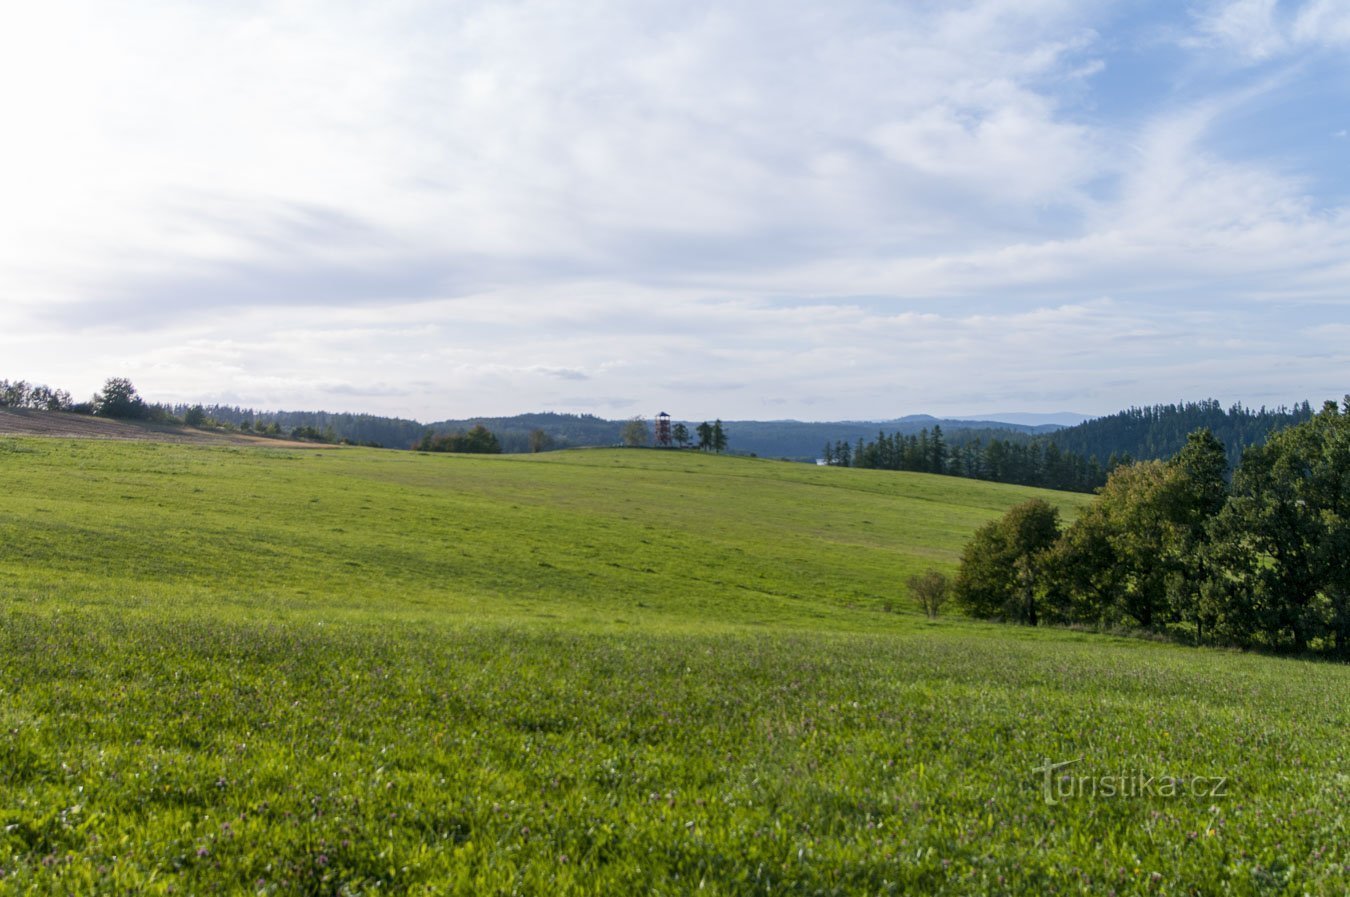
(930, 590)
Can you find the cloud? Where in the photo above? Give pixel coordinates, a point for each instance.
(854, 209)
(600, 139)
(1261, 30)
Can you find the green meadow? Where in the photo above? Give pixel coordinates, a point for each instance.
(349, 671)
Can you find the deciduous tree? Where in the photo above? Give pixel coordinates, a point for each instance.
(1002, 567)
(119, 399)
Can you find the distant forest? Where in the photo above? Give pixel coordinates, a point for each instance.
(1074, 458)
(1028, 461)
(1078, 458)
(1160, 431)
(513, 433)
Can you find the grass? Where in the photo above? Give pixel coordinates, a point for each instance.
(350, 671)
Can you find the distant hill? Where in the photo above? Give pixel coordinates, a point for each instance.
(1058, 419)
(796, 440)
(1160, 431)
(1141, 433)
(565, 430)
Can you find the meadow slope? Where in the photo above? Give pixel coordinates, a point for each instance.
(353, 671)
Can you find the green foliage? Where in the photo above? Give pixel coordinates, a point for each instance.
(1137, 554)
(930, 590)
(636, 432)
(705, 436)
(1027, 462)
(1160, 431)
(540, 441)
(1166, 548)
(22, 394)
(311, 434)
(1003, 566)
(1285, 536)
(478, 441)
(119, 399)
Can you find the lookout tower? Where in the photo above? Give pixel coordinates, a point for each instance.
(663, 438)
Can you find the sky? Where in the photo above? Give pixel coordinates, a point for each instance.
(717, 208)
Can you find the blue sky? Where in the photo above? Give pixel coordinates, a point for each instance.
(860, 209)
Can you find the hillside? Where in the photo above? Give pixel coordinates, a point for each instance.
(1159, 431)
(593, 534)
(795, 440)
(17, 422)
(264, 670)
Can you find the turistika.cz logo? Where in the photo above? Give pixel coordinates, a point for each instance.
(1059, 782)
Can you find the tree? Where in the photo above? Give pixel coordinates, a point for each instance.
(1134, 510)
(705, 436)
(929, 591)
(1084, 572)
(14, 395)
(636, 432)
(1002, 567)
(680, 433)
(719, 437)
(1138, 550)
(195, 416)
(1200, 484)
(1282, 540)
(540, 441)
(937, 448)
(119, 399)
(22, 394)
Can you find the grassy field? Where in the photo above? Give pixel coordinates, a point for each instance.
(351, 671)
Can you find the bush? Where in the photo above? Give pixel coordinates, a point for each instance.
(930, 591)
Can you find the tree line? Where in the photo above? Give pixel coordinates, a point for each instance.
(477, 441)
(118, 398)
(1177, 547)
(1027, 462)
(712, 437)
(22, 394)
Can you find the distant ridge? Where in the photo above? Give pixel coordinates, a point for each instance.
(1033, 419)
(1159, 431)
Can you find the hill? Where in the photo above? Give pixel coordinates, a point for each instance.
(593, 534)
(1159, 431)
(65, 425)
(231, 668)
(791, 439)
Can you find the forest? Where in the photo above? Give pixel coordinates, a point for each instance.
(1159, 431)
(1179, 548)
(1025, 461)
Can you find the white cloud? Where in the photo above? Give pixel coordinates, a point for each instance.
(1264, 29)
(498, 207)
(1250, 27)
(1324, 22)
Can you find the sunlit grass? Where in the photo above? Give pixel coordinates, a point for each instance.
(596, 672)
